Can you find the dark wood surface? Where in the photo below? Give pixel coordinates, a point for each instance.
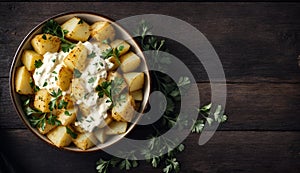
(258, 44)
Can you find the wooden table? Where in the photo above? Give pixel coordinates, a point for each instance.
(258, 44)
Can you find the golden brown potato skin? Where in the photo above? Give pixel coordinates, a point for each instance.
(59, 136)
(22, 81)
(29, 57)
(102, 30)
(78, 29)
(76, 58)
(43, 43)
(42, 99)
(65, 76)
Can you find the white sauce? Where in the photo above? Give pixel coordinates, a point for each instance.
(45, 77)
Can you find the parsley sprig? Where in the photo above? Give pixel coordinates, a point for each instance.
(171, 90)
(53, 28)
(37, 118)
(113, 53)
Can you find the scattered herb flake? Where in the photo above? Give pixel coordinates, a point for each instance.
(92, 80)
(71, 133)
(38, 63)
(92, 55)
(77, 73)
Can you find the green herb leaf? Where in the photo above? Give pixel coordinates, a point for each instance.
(53, 28)
(67, 113)
(62, 104)
(92, 80)
(105, 41)
(92, 55)
(52, 120)
(71, 133)
(77, 73)
(107, 53)
(38, 63)
(80, 21)
(44, 37)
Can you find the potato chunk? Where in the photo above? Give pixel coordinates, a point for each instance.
(85, 141)
(116, 128)
(100, 135)
(102, 30)
(129, 62)
(42, 99)
(65, 76)
(135, 80)
(77, 88)
(48, 128)
(106, 121)
(22, 81)
(121, 45)
(60, 137)
(76, 58)
(78, 29)
(124, 109)
(67, 116)
(137, 95)
(29, 57)
(43, 43)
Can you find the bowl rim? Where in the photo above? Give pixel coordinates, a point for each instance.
(23, 116)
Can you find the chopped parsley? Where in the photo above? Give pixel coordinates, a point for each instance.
(92, 80)
(38, 63)
(45, 84)
(71, 133)
(77, 73)
(105, 41)
(67, 113)
(80, 21)
(92, 55)
(44, 37)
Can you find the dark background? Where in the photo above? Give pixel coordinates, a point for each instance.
(258, 44)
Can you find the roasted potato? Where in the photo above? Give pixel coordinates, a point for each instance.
(43, 43)
(78, 29)
(135, 80)
(67, 98)
(137, 95)
(102, 30)
(124, 109)
(67, 116)
(48, 128)
(76, 58)
(59, 136)
(29, 57)
(85, 141)
(65, 76)
(100, 135)
(106, 121)
(42, 99)
(77, 88)
(129, 62)
(121, 45)
(116, 128)
(22, 81)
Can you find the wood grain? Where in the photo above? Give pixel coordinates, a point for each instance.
(226, 152)
(255, 42)
(258, 45)
(250, 106)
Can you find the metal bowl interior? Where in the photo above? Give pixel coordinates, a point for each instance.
(89, 18)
